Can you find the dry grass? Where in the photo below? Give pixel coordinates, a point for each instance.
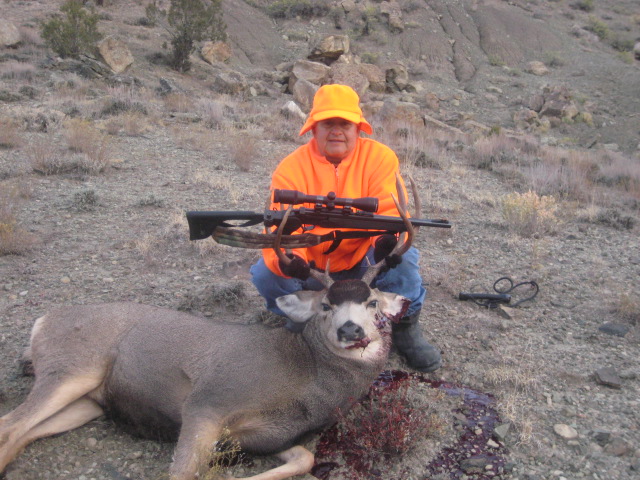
(9, 134)
(212, 112)
(517, 380)
(529, 214)
(191, 138)
(95, 146)
(14, 70)
(244, 149)
(178, 102)
(45, 159)
(628, 308)
(562, 173)
(14, 240)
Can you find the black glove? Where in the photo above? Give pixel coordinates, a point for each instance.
(383, 247)
(298, 268)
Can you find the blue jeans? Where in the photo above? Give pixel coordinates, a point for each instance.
(404, 280)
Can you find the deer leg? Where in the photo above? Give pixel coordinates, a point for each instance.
(48, 397)
(298, 460)
(196, 441)
(72, 416)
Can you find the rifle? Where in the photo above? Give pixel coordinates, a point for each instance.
(356, 214)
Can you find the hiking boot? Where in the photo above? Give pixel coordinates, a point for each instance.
(407, 339)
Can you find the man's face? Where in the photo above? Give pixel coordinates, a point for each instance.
(336, 138)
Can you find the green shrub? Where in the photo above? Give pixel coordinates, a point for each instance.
(298, 8)
(597, 26)
(189, 21)
(75, 33)
(622, 43)
(585, 5)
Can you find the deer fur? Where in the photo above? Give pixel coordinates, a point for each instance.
(175, 375)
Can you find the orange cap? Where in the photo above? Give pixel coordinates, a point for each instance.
(333, 101)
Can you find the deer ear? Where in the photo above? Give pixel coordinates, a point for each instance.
(393, 305)
(300, 306)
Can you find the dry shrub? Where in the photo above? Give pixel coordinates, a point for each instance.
(282, 128)
(45, 159)
(14, 240)
(562, 173)
(620, 172)
(178, 102)
(14, 70)
(134, 124)
(628, 308)
(529, 214)
(244, 148)
(95, 146)
(212, 112)
(489, 152)
(9, 136)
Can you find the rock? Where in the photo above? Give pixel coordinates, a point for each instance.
(608, 376)
(601, 437)
(501, 431)
(166, 87)
(618, 447)
(401, 113)
(475, 465)
(636, 50)
(9, 34)
(328, 48)
(565, 431)
(433, 102)
(537, 68)
(292, 110)
(375, 76)
(115, 53)
(349, 74)
(314, 72)
(215, 52)
(612, 328)
(231, 83)
(397, 77)
(392, 13)
(303, 93)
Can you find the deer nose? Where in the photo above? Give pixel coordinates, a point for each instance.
(350, 332)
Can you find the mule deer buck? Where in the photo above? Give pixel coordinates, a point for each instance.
(181, 376)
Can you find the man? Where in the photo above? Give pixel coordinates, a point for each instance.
(337, 159)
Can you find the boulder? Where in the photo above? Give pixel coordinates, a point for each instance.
(314, 72)
(392, 13)
(215, 52)
(375, 76)
(537, 68)
(328, 48)
(401, 113)
(349, 74)
(636, 50)
(396, 76)
(115, 54)
(303, 93)
(9, 34)
(292, 110)
(230, 82)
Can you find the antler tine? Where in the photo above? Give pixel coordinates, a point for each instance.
(400, 248)
(417, 203)
(322, 277)
(401, 196)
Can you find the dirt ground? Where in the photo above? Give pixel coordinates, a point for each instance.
(121, 235)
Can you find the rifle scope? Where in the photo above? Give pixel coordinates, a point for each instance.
(294, 197)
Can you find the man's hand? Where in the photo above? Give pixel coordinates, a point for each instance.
(297, 268)
(382, 249)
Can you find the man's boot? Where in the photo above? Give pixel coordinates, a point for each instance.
(407, 339)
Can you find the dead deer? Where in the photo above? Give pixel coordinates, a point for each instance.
(176, 375)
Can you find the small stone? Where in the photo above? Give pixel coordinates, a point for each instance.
(617, 447)
(500, 432)
(565, 431)
(65, 280)
(617, 329)
(492, 444)
(92, 442)
(24, 293)
(608, 376)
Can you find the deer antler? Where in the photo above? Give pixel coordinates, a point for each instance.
(323, 278)
(406, 238)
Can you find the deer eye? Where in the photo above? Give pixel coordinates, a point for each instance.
(373, 304)
(326, 307)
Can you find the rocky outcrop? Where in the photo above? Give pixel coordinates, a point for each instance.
(328, 48)
(115, 53)
(9, 34)
(215, 52)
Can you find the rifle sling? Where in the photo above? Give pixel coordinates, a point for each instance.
(241, 239)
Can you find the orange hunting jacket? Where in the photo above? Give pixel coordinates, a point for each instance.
(369, 171)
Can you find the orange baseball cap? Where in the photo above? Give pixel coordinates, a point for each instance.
(331, 101)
